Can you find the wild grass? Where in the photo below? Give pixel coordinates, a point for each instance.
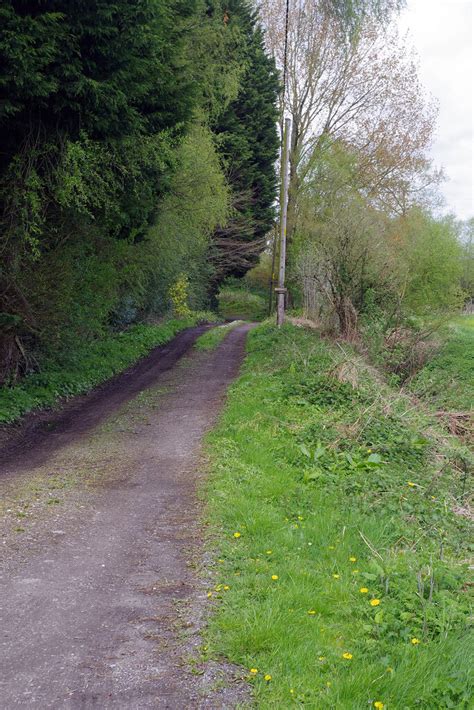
(447, 380)
(341, 570)
(88, 365)
(213, 337)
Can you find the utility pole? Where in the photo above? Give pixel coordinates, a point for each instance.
(281, 290)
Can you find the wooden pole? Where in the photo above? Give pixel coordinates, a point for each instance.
(281, 290)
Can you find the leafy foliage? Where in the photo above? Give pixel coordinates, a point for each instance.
(113, 179)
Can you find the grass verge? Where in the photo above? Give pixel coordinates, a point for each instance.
(88, 366)
(341, 573)
(213, 337)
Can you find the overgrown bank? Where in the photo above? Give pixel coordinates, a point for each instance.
(341, 533)
(83, 368)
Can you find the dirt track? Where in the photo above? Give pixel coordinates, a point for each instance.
(99, 603)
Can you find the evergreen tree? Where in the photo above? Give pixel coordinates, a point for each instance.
(248, 141)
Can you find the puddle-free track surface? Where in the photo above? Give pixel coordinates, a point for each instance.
(99, 600)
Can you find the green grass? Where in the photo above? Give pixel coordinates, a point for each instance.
(242, 304)
(213, 337)
(87, 366)
(447, 381)
(311, 473)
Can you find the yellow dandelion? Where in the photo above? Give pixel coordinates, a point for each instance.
(268, 677)
(253, 671)
(209, 594)
(226, 587)
(321, 658)
(369, 451)
(411, 484)
(389, 670)
(374, 602)
(415, 641)
(352, 559)
(292, 691)
(379, 705)
(355, 571)
(336, 576)
(220, 561)
(347, 656)
(300, 517)
(363, 590)
(311, 612)
(269, 552)
(274, 577)
(237, 534)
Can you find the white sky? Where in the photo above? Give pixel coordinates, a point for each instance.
(442, 33)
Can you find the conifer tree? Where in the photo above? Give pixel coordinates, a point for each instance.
(248, 141)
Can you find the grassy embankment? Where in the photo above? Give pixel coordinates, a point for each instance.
(447, 381)
(87, 366)
(342, 576)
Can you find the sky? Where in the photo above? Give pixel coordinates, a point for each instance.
(442, 33)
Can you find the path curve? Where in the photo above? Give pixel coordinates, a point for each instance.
(92, 598)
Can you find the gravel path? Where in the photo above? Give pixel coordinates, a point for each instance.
(100, 601)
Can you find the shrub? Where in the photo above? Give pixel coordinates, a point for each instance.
(179, 297)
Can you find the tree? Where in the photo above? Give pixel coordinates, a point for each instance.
(93, 99)
(364, 92)
(248, 142)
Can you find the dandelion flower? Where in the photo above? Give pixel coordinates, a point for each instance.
(352, 559)
(363, 590)
(292, 691)
(415, 641)
(237, 534)
(389, 670)
(374, 602)
(268, 677)
(226, 587)
(347, 656)
(274, 577)
(321, 658)
(336, 576)
(411, 484)
(209, 595)
(311, 612)
(300, 517)
(269, 552)
(253, 671)
(379, 705)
